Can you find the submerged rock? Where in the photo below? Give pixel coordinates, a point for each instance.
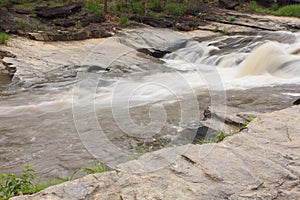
(261, 162)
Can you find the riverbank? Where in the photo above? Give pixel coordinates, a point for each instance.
(77, 21)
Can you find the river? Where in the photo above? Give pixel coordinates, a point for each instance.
(111, 99)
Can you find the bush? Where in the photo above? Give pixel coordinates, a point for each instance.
(289, 10)
(3, 38)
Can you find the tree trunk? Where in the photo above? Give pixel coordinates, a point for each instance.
(105, 9)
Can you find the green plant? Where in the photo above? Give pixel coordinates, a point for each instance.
(124, 20)
(137, 8)
(97, 168)
(20, 24)
(3, 38)
(231, 18)
(289, 10)
(253, 6)
(37, 25)
(78, 25)
(274, 7)
(10, 185)
(175, 9)
(220, 136)
(256, 8)
(156, 4)
(94, 7)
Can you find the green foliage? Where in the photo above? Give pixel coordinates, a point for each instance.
(156, 4)
(124, 20)
(221, 135)
(253, 6)
(231, 18)
(94, 7)
(37, 25)
(10, 185)
(78, 25)
(97, 168)
(175, 9)
(289, 10)
(3, 38)
(137, 8)
(219, 138)
(21, 24)
(27, 183)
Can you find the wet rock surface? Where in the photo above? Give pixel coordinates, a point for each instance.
(261, 162)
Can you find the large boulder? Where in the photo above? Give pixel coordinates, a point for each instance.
(59, 11)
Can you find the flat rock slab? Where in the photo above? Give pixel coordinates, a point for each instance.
(262, 162)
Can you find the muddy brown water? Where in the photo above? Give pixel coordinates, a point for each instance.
(61, 128)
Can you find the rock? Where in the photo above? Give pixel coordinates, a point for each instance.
(262, 162)
(228, 4)
(4, 53)
(153, 52)
(297, 102)
(154, 22)
(59, 11)
(83, 20)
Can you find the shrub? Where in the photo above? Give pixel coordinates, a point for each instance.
(3, 38)
(289, 10)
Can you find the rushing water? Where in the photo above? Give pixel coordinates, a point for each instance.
(118, 103)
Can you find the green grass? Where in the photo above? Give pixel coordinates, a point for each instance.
(98, 167)
(94, 7)
(3, 38)
(219, 138)
(253, 6)
(124, 20)
(21, 24)
(28, 183)
(156, 4)
(221, 135)
(175, 9)
(137, 8)
(231, 18)
(289, 10)
(78, 25)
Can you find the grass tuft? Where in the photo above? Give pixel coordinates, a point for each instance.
(3, 38)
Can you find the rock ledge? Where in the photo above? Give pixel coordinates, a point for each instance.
(261, 162)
